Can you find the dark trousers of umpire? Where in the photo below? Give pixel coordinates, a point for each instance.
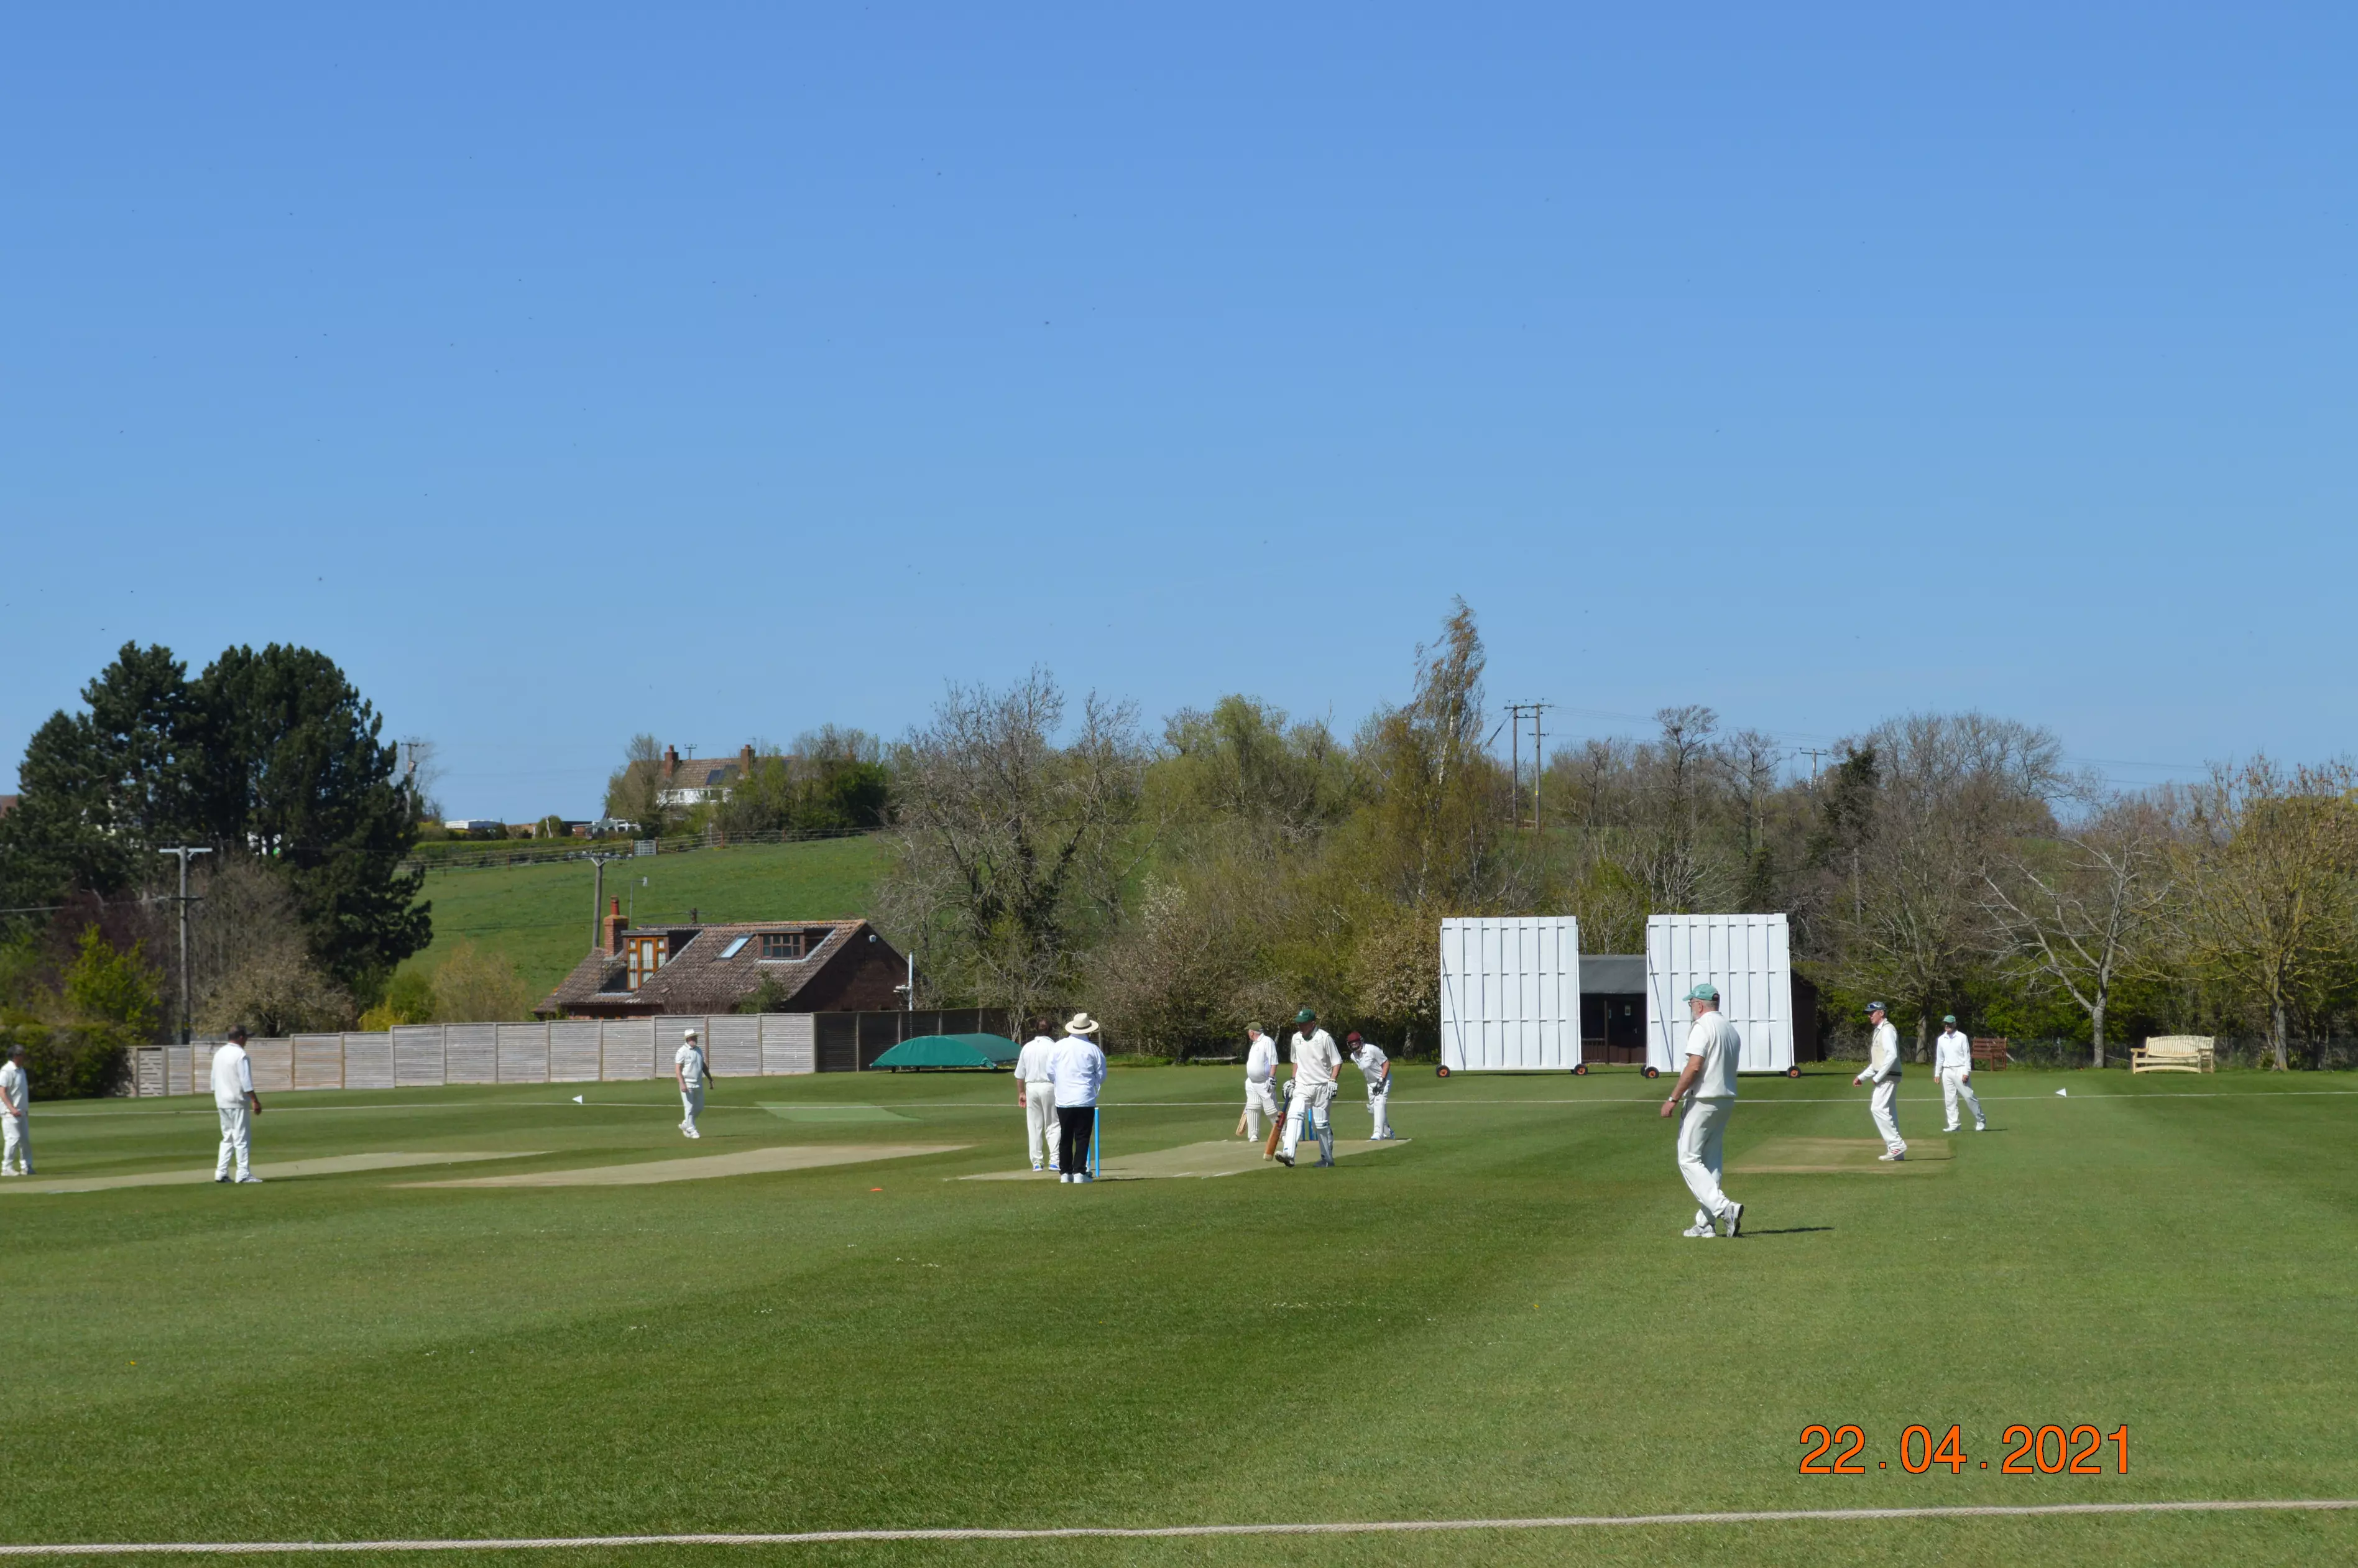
(1076, 1123)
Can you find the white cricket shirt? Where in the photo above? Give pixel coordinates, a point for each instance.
(232, 1075)
(689, 1060)
(1952, 1049)
(1031, 1062)
(1315, 1060)
(1371, 1061)
(1077, 1069)
(1713, 1039)
(1260, 1062)
(16, 1088)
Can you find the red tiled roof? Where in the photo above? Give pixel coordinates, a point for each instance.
(695, 978)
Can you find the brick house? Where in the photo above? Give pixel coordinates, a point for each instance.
(818, 966)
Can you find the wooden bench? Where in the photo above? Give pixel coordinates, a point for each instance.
(1989, 1056)
(2175, 1054)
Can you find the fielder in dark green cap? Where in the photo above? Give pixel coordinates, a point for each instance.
(1317, 1068)
(1952, 1063)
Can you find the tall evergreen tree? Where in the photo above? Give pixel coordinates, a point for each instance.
(292, 769)
(99, 790)
(273, 754)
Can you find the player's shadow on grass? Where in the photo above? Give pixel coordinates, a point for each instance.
(1790, 1230)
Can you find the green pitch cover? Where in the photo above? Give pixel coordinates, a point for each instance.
(951, 1051)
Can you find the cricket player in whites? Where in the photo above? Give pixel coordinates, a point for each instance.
(1377, 1068)
(1952, 1063)
(1883, 1071)
(1035, 1091)
(690, 1068)
(1261, 1083)
(16, 1102)
(1316, 1066)
(1707, 1085)
(233, 1097)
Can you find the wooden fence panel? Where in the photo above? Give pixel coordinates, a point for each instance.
(418, 1057)
(318, 1061)
(735, 1046)
(470, 1053)
(786, 1043)
(627, 1049)
(573, 1051)
(524, 1052)
(178, 1079)
(272, 1063)
(368, 1061)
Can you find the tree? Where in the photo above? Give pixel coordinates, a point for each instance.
(475, 987)
(99, 790)
(291, 767)
(2075, 912)
(2271, 858)
(102, 986)
(1009, 850)
(271, 755)
(1434, 834)
(277, 991)
(1950, 791)
(635, 790)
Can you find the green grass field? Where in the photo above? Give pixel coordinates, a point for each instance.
(1497, 1319)
(539, 915)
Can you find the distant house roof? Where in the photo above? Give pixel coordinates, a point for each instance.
(708, 967)
(7, 804)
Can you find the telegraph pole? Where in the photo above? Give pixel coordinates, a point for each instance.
(597, 897)
(1538, 760)
(1538, 770)
(182, 852)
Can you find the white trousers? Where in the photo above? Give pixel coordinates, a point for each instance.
(1260, 1100)
(1882, 1107)
(1310, 1104)
(1954, 1081)
(1699, 1132)
(691, 1106)
(1041, 1136)
(237, 1138)
(16, 1144)
(1379, 1102)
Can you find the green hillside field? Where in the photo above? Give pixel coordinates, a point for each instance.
(1494, 1319)
(540, 915)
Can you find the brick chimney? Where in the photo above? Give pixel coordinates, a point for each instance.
(616, 923)
(745, 761)
(671, 762)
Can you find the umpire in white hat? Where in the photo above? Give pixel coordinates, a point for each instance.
(1707, 1086)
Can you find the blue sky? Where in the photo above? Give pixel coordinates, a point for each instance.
(566, 373)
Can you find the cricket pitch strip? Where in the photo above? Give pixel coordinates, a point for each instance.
(1842, 1157)
(749, 1162)
(1222, 1157)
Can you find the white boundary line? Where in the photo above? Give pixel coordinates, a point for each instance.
(1101, 1532)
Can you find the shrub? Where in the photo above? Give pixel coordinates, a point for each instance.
(75, 1061)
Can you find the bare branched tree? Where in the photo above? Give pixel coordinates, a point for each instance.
(1012, 849)
(2076, 914)
(1952, 791)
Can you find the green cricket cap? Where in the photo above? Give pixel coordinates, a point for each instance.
(1306, 1016)
(1948, 1018)
(1704, 992)
(1877, 1007)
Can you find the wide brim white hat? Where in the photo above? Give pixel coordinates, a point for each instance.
(1080, 1024)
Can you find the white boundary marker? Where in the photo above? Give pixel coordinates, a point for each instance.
(1103, 1532)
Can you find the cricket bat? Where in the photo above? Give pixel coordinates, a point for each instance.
(1277, 1127)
